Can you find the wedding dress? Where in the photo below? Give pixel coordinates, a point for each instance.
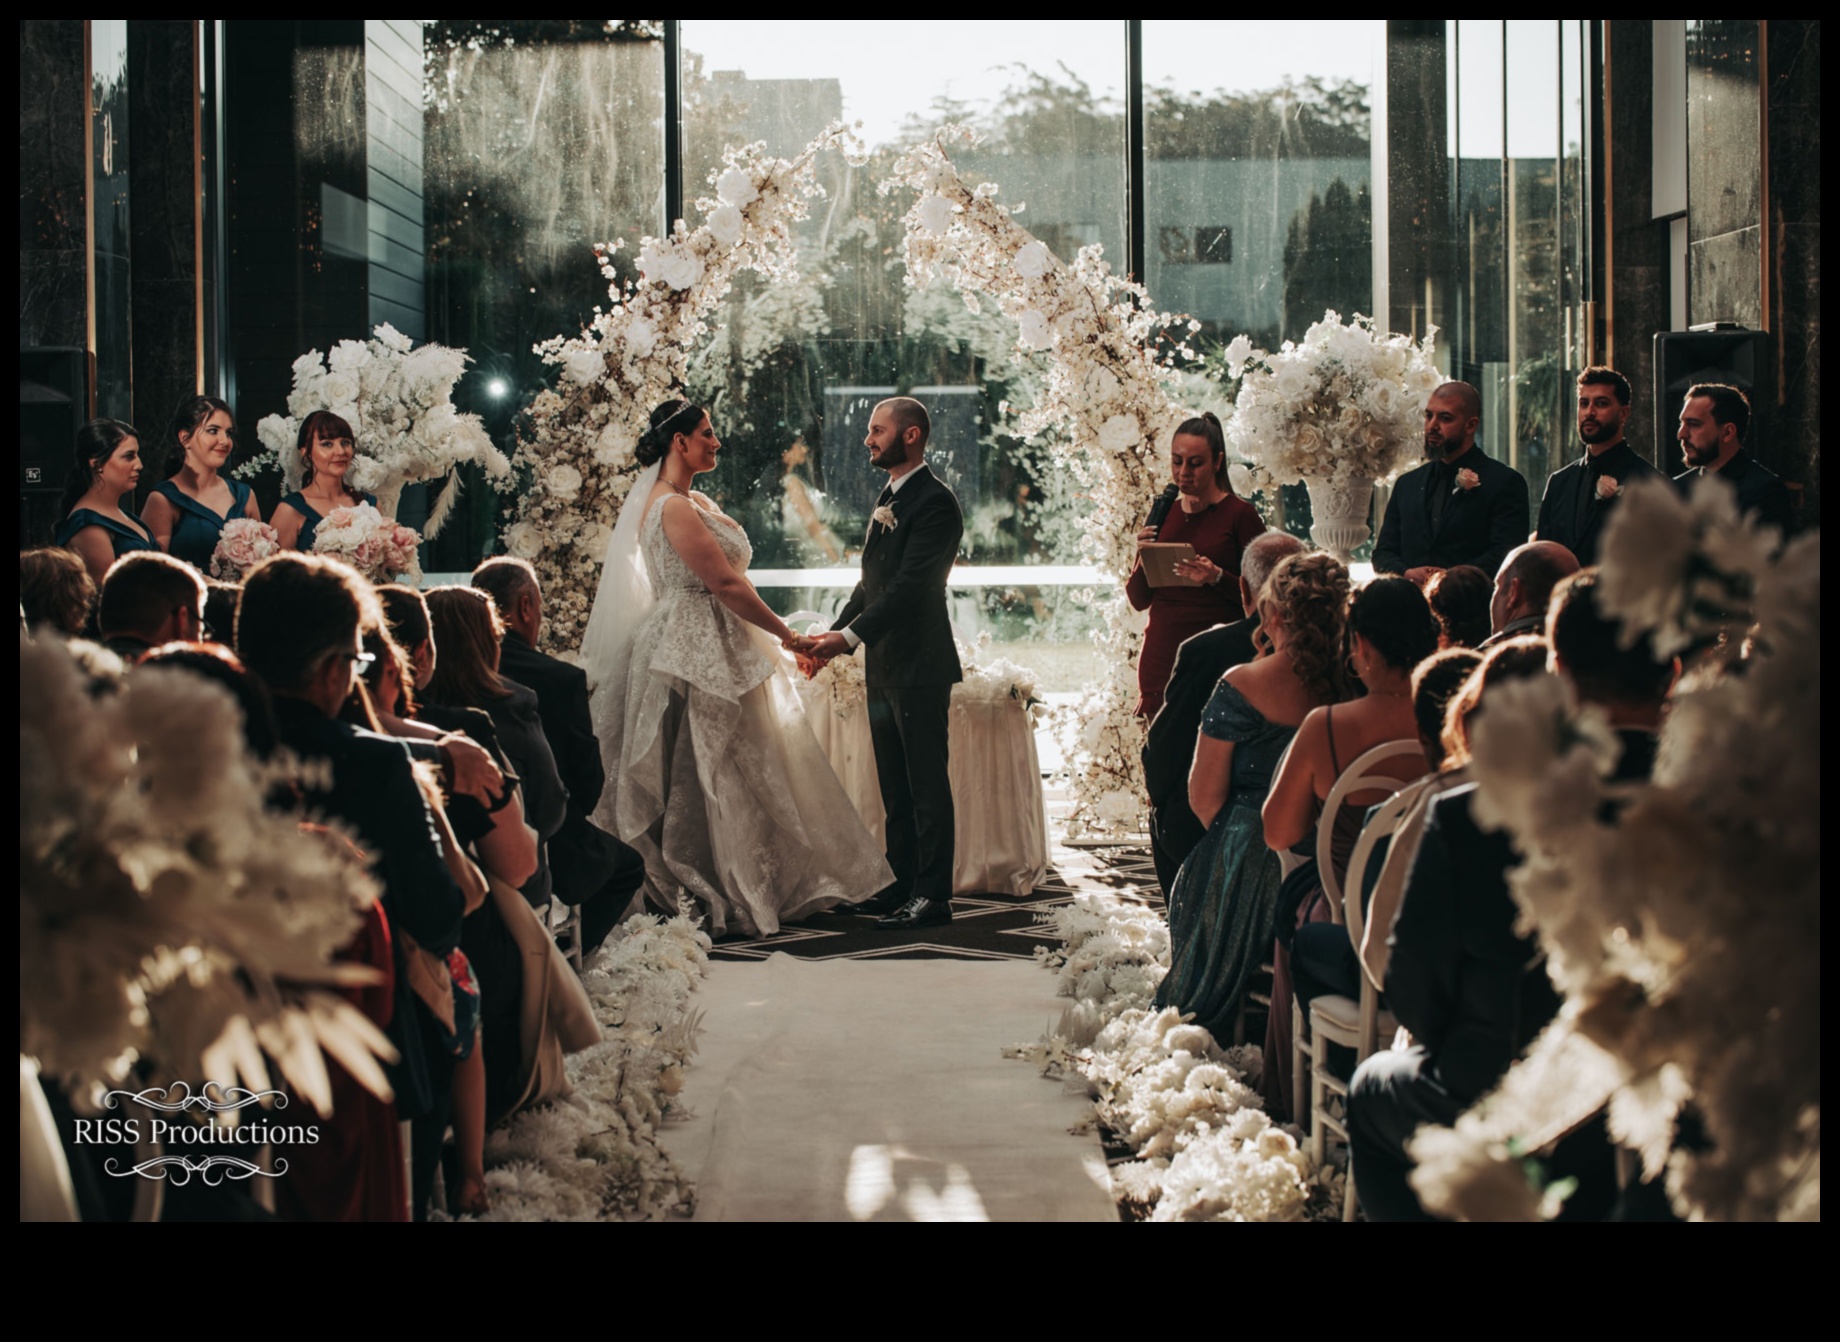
(714, 775)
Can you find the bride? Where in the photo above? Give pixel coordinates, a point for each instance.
(713, 773)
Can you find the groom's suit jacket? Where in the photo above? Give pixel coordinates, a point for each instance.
(898, 610)
(1478, 526)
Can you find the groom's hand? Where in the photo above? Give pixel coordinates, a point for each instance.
(826, 646)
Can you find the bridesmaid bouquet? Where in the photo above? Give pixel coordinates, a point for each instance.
(368, 541)
(242, 545)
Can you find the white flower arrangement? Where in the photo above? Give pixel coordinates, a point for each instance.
(576, 441)
(1344, 405)
(1109, 356)
(1681, 917)
(595, 1156)
(167, 917)
(241, 545)
(1206, 1150)
(378, 548)
(398, 399)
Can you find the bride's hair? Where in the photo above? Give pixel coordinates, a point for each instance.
(668, 420)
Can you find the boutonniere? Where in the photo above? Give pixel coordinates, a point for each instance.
(1466, 480)
(884, 516)
(1608, 486)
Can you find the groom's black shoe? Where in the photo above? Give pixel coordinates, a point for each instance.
(884, 901)
(918, 912)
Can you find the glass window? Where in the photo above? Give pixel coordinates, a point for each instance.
(111, 338)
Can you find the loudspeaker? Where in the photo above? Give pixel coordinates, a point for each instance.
(1718, 352)
(53, 405)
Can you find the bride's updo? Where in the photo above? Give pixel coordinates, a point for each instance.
(668, 420)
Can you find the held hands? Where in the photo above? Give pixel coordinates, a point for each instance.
(813, 651)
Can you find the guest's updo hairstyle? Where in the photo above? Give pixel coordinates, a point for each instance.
(1308, 593)
(1519, 658)
(193, 411)
(319, 424)
(668, 420)
(55, 590)
(1395, 619)
(1206, 426)
(96, 443)
(1459, 600)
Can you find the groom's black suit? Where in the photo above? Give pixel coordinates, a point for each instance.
(910, 663)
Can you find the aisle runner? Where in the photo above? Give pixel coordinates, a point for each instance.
(849, 1091)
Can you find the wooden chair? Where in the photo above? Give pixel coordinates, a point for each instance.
(1334, 1019)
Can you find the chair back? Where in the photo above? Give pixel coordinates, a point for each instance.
(1364, 775)
(1384, 823)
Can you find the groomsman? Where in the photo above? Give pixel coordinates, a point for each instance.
(1461, 506)
(1580, 497)
(1713, 422)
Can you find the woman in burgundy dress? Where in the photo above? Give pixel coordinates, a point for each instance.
(1219, 524)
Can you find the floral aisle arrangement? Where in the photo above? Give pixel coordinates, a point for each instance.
(399, 400)
(576, 441)
(1681, 918)
(1206, 1150)
(168, 921)
(595, 1155)
(378, 548)
(1341, 411)
(1109, 355)
(243, 543)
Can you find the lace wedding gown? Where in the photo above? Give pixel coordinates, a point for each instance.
(714, 774)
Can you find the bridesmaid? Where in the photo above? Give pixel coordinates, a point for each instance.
(96, 525)
(326, 450)
(187, 512)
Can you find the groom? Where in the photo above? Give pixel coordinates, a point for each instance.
(898, 615)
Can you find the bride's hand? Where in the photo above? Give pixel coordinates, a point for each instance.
(796, 643)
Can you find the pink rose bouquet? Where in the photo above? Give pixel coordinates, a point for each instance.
(242, 545)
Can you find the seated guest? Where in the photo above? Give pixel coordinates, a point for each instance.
(326, 450)
(1580, 498)
(588, 866)
(1169, 746)
(300, 632)
(148, 599)
(1389, 632)
(220, 600)
(56, 592)
(1459, 600)
(1524, 587)
(1471, 989)
(467, 634)
(1226, 894)
(97, 524)
(216, 663)
(186, 513)
(471, 762)
(1713, 422)
(1461, 507)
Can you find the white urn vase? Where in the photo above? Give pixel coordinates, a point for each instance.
(1338, 514)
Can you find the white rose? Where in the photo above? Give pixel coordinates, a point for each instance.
(563, 480)
(725, 225)
(277, 434)
(365, 475)
(583, 366)
(641, 337)
(1239, 353)
(681, 269)
(1120, 433)
(652, 258)
(339, 388)
(936, 215)
(523, 541)
(390, 338)
(1033, 330)
(348, 356)
(735, 187)
(593, 539)
(1241, 480)
(308, 366)
(1033, 261)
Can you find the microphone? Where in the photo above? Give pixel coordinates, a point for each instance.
(1160, 509)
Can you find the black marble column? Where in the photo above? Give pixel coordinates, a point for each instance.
(163, 177)
(1794, 110)
(1724, 173)
(1638, 269)
(53, 204)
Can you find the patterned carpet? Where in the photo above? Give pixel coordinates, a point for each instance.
(984, 927)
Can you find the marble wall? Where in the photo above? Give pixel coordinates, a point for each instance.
(1794, 222)
(1724, 173)
(163, 178)
(53, 231)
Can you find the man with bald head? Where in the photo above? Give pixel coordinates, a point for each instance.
(1524, 587)
(1461, 506)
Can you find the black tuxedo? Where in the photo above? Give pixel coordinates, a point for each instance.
(590, 867)
(1760, 492)
(910, 663)
(1476, 526)
(1169, 745)
(1570, 511)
